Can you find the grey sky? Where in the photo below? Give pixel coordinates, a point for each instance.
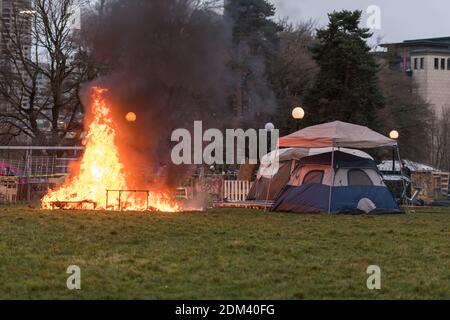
(400, 19)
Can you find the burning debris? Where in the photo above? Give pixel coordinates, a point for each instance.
(101, 173)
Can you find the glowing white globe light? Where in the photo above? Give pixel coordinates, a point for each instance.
(298, 113)
(394, 134)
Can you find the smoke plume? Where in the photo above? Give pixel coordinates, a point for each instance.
(166, 61)
(171, 63)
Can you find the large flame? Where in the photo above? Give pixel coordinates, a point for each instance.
(100, 169)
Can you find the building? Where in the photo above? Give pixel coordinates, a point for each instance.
(428, 62)
(15, 14)
(28, 83)
(15, 25)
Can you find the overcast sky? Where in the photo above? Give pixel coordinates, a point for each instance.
(400, 19)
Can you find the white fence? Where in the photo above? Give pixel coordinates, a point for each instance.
(236, 190)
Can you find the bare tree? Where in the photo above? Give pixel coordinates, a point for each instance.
(440, 140)
(42, 67)
(294, 69)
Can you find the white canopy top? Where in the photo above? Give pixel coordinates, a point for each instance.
(336, 134)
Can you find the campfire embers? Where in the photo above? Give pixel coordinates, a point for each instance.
(100, 170)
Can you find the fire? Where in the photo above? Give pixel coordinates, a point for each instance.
(100, 169)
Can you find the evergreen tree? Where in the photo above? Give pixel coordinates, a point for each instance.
(255, 38)
(252, 24)
(346, 87)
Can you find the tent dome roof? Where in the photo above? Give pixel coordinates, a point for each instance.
(341, 160)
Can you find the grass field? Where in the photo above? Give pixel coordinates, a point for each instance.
(222, 254)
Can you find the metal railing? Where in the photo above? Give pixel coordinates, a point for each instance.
(33, 170)
(36, 166)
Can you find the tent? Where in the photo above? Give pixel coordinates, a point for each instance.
(333, 135)
(336, 134)
(355, 183)
(270, 180)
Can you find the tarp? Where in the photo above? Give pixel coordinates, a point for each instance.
(413, 166)
(336, 134)
(8, 170)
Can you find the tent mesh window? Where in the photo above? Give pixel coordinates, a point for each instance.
(357, 177)
(315, 176)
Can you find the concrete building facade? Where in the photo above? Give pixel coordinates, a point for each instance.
(428, 62)
(15, 14)
(15, 25)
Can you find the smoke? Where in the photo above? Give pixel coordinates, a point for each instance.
(167, 62)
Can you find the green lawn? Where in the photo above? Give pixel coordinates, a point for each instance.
(222, 254)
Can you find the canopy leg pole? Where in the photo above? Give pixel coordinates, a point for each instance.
(332, 181)
(404, 195)
(267, 194)
(268, 188)
(271, 176)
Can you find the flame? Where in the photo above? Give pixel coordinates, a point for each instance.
(100, 169)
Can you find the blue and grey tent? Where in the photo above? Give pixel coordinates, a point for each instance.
(336, 182)
(353, 183)
(269, 182)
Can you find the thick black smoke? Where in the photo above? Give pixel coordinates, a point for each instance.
(167, 62)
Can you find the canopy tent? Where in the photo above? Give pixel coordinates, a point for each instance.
(355, 182)
(336, 134)
(270, 179)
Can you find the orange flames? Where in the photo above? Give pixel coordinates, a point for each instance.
(100, 169)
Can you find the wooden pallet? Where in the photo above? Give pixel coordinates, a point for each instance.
(73, 205)
(440, 182)
(244, 204)
(8, 189)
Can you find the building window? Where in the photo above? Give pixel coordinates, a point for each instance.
(422, 63)
(436, 63)
(442, 64)
(448, 64)
(415, 63)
